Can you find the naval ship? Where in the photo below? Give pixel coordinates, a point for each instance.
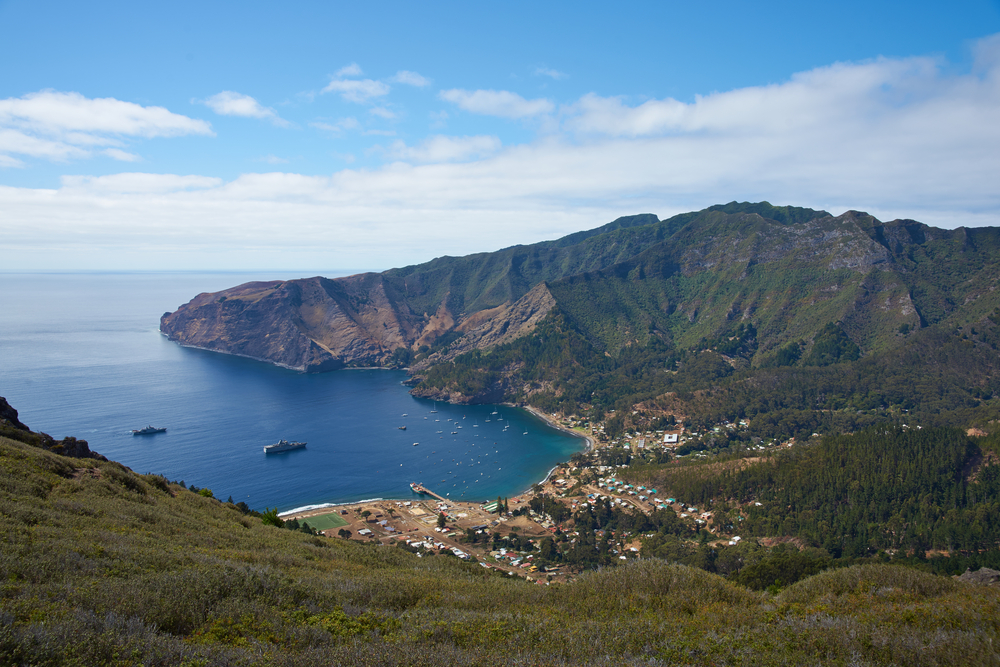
(283, 446)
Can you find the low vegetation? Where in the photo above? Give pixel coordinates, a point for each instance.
(102, 566)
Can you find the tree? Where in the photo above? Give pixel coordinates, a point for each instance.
(343, 532)
(270, 518)
(441, 520)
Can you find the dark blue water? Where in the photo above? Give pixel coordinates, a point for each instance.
(81, 355)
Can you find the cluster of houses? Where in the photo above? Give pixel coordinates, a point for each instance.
(617, 486)
(514, 559)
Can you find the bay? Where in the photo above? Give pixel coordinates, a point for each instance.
(81, 355)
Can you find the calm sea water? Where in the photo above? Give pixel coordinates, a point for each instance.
(81, 355)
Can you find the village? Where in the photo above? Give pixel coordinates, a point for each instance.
(519, 536)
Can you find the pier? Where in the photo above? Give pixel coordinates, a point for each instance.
(420, 488)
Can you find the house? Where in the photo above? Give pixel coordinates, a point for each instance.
(670, 438)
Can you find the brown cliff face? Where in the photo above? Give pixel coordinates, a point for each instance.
(313, 324)
(497, 326)
(317, 324)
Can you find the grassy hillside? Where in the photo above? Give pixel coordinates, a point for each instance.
(101, 566)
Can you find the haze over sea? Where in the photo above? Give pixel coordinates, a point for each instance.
(81, 355)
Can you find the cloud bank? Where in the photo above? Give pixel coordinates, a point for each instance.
(896, 137)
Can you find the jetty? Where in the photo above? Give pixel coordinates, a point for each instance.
(420, 488)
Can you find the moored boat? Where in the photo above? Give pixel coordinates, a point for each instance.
(283, 446)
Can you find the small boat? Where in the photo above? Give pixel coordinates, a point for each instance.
(402, 428)
(415, 444)
(149, 430)
(283, 446)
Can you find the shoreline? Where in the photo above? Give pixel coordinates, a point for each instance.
(591, 443)
(309, 509)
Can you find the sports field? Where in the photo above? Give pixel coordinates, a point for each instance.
(325, 521)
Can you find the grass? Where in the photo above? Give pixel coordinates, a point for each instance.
(100, 566)
(323, 522)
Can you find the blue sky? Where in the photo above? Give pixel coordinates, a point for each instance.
(322, 136)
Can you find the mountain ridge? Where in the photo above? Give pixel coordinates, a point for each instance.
(756, 285)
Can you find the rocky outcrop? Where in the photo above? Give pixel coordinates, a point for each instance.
(8, 416)
(500, 325)
(311, 325)
(983, 577)
(11, 427)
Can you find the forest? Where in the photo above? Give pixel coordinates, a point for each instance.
(885, 489)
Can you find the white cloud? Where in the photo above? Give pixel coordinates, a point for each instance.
(123, 156)
(230, 103)
(349, 70)
(357, 90)
(549, 72)
(501, 103)
(51, 111)
(445, 149)
(60, 126)
(339, 126)
(382, 112)
(22, 143)
(411, 79)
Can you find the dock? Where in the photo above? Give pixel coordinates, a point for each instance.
(420, 488)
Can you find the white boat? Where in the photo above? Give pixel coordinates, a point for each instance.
(283, 446)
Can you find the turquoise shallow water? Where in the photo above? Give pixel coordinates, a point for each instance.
(81, 355)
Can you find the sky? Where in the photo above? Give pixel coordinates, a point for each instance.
(333, 136)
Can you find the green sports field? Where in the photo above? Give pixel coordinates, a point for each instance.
(325, 521)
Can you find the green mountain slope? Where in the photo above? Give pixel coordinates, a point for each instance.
(877, 317)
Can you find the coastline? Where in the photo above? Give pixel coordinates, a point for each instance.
(556, 425)
(298, 512)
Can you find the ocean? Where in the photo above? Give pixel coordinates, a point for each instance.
(81, 355)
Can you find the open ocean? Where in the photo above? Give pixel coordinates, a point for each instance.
(81, 355)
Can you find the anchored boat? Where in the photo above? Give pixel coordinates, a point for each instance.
(283, 446)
